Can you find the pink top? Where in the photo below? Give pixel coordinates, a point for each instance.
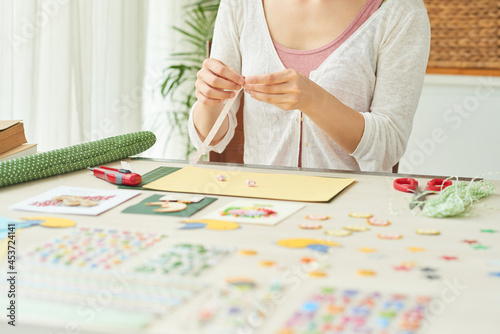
(306, 61)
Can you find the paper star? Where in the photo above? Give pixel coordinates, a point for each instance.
(480, 247)
(428, 269)
(367, 250)
(489, 231)
(319, 248)
(423, 299)
(366, 272)
(401, 268)
(433, 276)
(495, 274)
(449, 258)
(415, 249)
(408, 264)
(470, 241)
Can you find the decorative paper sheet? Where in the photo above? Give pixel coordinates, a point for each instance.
(255, 212)
(269, 186)
(98, 201)
(142, 208)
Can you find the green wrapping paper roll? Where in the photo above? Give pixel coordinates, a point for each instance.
(70, 159)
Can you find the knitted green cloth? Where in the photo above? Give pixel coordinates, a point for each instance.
(457, 199)
(73, 158)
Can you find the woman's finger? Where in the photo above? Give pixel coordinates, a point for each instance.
(280, 88)
(216, 82)
(206, 100)
(219, 69)
(268, 98)
(272, 78)
(211, 92)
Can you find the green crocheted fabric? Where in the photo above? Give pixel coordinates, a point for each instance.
(74, 158)
(457, 199)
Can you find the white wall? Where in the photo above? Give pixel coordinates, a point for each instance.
(457, 128)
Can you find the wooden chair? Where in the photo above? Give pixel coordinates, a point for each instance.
(234, 150)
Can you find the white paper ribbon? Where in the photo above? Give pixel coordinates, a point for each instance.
(218, 123)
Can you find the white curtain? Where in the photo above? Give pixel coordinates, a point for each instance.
(161, 41)
(6, 59)
(77, 70)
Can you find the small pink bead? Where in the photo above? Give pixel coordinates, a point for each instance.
(250, 183)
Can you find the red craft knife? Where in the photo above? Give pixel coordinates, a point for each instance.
(117, 176)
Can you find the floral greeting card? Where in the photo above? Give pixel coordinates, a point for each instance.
(77, 201)
(255, 211)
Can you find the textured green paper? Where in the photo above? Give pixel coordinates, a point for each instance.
(149, 177)
(73, 158)
(142, 208)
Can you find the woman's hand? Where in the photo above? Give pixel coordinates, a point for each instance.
(216, 82)
(287, 90)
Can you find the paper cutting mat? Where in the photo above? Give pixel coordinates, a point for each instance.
(268, 186)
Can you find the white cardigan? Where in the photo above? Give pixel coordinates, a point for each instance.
(378, 72)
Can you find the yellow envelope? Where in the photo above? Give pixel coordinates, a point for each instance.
(268, 186)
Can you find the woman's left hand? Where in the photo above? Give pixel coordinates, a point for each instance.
(287, 90)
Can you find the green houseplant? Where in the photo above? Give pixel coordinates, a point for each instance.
(178, 85)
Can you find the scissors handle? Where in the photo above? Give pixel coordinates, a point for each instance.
(406, 184)
(438, 184)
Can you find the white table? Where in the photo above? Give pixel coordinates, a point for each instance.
(471, 306)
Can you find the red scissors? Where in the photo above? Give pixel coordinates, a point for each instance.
(410, 185)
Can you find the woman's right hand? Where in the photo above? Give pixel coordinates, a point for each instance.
(217, 82)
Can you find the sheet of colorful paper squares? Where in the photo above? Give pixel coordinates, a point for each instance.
(236, 307)
(116, 289)
(90, 249)
(185, 260)
(333, 310)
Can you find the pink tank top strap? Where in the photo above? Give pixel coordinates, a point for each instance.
(306, 61)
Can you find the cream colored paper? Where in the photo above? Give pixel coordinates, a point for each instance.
(268, 186)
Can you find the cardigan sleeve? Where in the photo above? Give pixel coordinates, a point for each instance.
(401, 64)
(226, 48)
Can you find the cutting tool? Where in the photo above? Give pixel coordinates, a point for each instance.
(410, 185)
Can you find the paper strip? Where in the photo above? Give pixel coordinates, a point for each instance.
(218, 123)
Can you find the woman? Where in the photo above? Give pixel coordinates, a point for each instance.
(328, 84)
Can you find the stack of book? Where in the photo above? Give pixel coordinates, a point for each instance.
(13, 143)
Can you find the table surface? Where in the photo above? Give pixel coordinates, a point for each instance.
(470, 295)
